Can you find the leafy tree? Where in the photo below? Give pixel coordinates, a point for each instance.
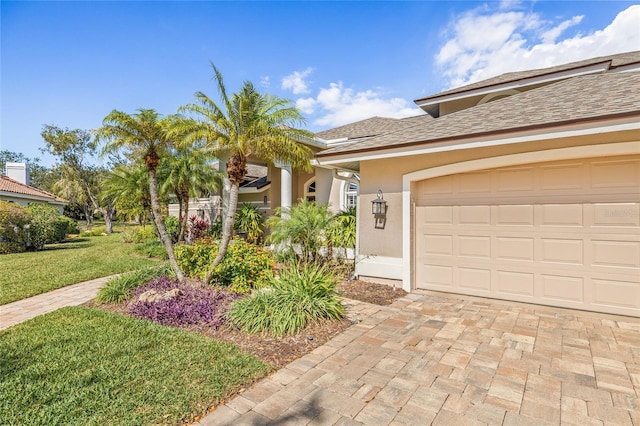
(247, 124)
(189, 174)
(144, 136)
(80, 180)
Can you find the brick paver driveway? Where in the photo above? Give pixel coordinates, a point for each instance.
(432, 358)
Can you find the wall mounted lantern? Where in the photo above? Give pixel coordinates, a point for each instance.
(379, 210)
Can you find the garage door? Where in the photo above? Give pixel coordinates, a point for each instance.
(562, 234)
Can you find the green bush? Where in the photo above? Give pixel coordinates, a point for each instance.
(172, 224)
(13, 218)
(300, 296)
(243, 268)
(304, 226)
(249, 220)
(42, 229)
(62, 227)
(144, 233)
(118, 289)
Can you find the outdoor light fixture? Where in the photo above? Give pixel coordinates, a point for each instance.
(379, 210)
(379, 205)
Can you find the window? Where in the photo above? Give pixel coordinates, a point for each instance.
(310, 191)
(350, 198)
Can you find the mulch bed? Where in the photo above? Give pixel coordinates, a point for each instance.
(278, 352)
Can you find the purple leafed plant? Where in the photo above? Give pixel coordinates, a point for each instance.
(175, 303)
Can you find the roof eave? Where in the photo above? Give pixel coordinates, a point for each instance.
(356, 154)
(432, 101)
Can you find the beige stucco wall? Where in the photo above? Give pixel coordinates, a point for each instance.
(386, 175)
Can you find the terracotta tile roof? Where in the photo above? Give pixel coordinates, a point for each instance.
(583, 98)
(10, 185)
(373, 126)
(614, 61)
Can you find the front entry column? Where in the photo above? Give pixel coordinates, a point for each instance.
(286, 183)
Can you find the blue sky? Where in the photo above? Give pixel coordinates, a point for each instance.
(71, 63)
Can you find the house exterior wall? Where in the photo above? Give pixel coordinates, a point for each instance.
(24, 202)
(386, 245)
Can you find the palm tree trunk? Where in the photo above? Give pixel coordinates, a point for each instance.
(183, 220)
(107, 213)
(159, 221)
(227, 227)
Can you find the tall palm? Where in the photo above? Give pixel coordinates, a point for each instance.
(144, 136)
(247, 124)
(190, 174)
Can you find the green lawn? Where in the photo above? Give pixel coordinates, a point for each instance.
(82, 366)
(59, 265)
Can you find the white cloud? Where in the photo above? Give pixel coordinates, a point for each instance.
(296, 82)
(480, 44)
(336, 105)
(265, 81)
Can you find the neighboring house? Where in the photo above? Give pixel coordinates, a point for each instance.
(523, 187)
(15, 188)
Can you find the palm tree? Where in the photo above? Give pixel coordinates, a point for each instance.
(144, 136)
(247, 124)
(190, 174)
(128, 186)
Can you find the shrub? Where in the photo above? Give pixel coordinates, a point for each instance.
(63, 226)
(244, 267)
(13, 218)
(197, 228)
(144, 233)
(300, 296)
(42, 229)
(118, 289)
(250, 221)
(304, 226)
(173, 303)
(172, 224)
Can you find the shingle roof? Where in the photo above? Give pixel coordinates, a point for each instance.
(615, 61)
(373, 126)
(10, 185)
(577, 99)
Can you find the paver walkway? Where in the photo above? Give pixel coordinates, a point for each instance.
(73, 295)
(442, 359)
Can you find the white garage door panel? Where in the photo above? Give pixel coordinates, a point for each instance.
(562, 234)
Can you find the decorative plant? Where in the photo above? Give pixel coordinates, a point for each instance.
(175, 303)
(249, 219)
(300, 296)
(305, 226)
(245, 266)
(197, 228)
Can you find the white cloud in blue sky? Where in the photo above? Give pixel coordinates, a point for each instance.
(481, 43)
(336, 105)
(477, 44)
(296, 82)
